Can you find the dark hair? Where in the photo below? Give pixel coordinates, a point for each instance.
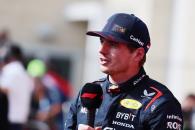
(141, 63)
(13, 52)
(192, 96)
(132, 49)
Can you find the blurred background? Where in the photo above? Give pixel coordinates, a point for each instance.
(54, 31)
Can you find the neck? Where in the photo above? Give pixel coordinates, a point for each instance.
(120, 78)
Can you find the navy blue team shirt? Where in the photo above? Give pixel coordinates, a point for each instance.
(140, 103)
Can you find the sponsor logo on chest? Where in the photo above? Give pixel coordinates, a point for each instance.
(130, 103)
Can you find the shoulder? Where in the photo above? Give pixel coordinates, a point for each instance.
(160, 89)
(162, 108)
(161, 95)
(12, 68)
(100, 81)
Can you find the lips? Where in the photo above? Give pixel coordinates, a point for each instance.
(104, 61)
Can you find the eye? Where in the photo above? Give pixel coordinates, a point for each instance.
(113, 44)
(110, 43)
(101, 40)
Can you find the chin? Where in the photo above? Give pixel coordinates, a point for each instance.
(104, 70)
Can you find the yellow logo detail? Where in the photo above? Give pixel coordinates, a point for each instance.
(130, 103)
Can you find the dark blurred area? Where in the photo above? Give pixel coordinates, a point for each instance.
(188, 107)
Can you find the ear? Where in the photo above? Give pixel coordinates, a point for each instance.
(139, 54)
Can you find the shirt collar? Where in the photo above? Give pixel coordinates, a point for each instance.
(129, 84)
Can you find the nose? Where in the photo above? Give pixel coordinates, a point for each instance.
(104, 47)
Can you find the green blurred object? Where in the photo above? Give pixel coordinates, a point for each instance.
(36, 68)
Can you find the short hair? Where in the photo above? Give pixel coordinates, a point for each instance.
(132, 49)
(13, 51)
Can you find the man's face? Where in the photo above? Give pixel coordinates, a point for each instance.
(115, 58)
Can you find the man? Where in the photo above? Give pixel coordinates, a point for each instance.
(131, 100)
(17, 85)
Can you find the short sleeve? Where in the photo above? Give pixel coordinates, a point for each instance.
(6, 80)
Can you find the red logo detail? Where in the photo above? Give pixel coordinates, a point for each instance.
(89, 95)
(159, 93)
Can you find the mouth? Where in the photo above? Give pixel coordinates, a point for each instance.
(104, 61)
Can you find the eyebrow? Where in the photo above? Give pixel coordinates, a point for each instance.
(102, 38)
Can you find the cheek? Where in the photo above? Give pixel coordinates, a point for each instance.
(121, 56)
(118, 59)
